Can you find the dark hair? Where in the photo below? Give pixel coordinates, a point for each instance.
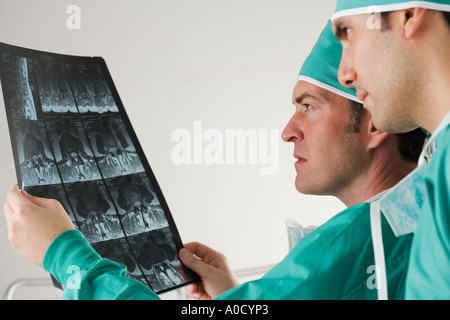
(355, 110)
(386, 25)
(446, 16)
(385, 20)
(409, 144)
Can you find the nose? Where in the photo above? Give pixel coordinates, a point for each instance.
(292, 131)
(346, 73)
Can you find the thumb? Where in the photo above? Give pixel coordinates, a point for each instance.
(192, 262)
(35, 200)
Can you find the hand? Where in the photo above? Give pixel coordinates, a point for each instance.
(33, 223)
(212, 267)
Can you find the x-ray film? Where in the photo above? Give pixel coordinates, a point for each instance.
(72, 141)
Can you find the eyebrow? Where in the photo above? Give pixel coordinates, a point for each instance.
(303, 96)
(339, 29)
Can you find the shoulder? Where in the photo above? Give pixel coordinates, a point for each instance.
(351, 222)
(442, 144)
(346, 218)
(439, 166)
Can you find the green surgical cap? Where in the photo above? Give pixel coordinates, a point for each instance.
(321, 66)
(353, 7)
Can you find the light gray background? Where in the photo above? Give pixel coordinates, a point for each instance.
(231, 64)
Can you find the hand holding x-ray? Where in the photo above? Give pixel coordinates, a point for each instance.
(212, 267)
(33, 223)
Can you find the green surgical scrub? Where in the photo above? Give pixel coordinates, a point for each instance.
(429, 271)
(336, 261)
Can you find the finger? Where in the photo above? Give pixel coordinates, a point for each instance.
(202, 251)
(192, 291)
(192, 262)
(36, 200)
(8, 212)
(197, 248)
(15, 198)
(206, 254)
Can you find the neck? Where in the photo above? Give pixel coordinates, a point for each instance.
(433, 111)
(379, 176)
(436, 90)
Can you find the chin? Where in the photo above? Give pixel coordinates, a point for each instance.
(312, 189)
(304, 189)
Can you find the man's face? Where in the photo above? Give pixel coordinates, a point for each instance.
(375, 62)
(329, 157)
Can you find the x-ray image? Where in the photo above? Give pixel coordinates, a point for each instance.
(113, 148)
(94, 211)
(72, 152)
(54, 89)
(19, 87)
(91, 91)
(137, 204)
(72, 141)
(158, 259)
(54, 191)
(84, 96)
(37, 164)
(118, 250)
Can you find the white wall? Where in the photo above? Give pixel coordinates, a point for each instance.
(228, 63)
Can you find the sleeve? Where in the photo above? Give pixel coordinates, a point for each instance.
(87, 276)
(429, 267)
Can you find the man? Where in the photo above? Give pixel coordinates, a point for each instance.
(398, 60)
(338, 152)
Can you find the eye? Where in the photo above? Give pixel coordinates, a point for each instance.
(308, 107)
(348, 32)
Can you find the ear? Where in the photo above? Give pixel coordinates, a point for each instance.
(412, 20)
(375, 136)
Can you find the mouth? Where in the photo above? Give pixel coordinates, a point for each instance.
(300, 159)
(362, 96)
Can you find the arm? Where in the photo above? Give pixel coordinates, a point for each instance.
(213, 269)
(428, 271)
(41, 231)
(86, 276)
(33, 223)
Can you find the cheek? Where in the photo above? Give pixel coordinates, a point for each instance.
(322, 154)
(319, 174)
(365, 56)
(339, 154)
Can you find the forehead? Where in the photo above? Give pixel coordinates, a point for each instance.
(307, 89)
(359, 20)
